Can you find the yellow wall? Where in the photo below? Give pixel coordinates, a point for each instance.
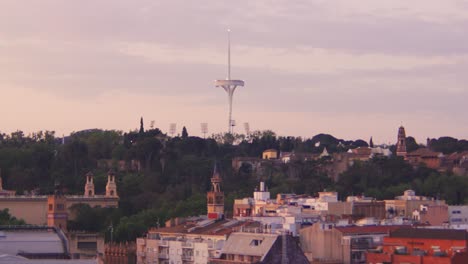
(33, 209)
(270, 154)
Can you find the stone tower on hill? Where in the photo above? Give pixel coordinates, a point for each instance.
(215, 197)
(401, 143)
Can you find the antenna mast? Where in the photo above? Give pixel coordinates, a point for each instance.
(229, 54)
(229, 85)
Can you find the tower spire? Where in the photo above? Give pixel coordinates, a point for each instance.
(215, 197)
(401, 142)
(229, 85)
(229, 54)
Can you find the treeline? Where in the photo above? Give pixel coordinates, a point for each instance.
(175, 172)
(385, 178)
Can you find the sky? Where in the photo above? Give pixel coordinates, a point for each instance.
(353, 69)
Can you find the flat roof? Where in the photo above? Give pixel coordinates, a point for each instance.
(30, 241)
(429, 233)
(221, 227)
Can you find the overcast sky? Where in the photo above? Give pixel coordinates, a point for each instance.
(354, 69)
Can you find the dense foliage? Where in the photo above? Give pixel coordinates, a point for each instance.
(7, 219)
(174, 172)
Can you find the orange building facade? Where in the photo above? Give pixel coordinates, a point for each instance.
(422, 246)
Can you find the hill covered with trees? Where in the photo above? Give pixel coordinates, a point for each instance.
(173, 173)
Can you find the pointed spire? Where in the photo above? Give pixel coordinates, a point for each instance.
(215, 197)
(229, 54)
(215, 170)
(216, 179)
(371, 143)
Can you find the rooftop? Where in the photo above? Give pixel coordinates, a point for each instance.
(31, 240)
(426, 233)
(358, 230)
(206, 227)
(249, 244)
(424, 152)
(5, 258)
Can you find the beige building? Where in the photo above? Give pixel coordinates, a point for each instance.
(325, 243)
(407, 203)
(85, 245)
(191, 240)
(33, 208)
(435, 215)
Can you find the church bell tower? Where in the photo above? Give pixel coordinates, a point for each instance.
(215, 197)
(401, 143)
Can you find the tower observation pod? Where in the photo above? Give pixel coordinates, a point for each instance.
(229, 85)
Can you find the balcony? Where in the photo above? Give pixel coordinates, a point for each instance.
(187, 244)
(163, 243)
(361, 245)
(163, 256)
(187, 257)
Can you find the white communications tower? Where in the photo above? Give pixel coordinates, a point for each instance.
(229, 85)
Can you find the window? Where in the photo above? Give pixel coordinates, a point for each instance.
(87, 245)
(60, 206)
(51, 207)
(256, 242)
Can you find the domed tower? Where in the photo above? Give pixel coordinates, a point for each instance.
(111, 186)
(401, 143)
(215, 197)
(57, 214)
(89, 186)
